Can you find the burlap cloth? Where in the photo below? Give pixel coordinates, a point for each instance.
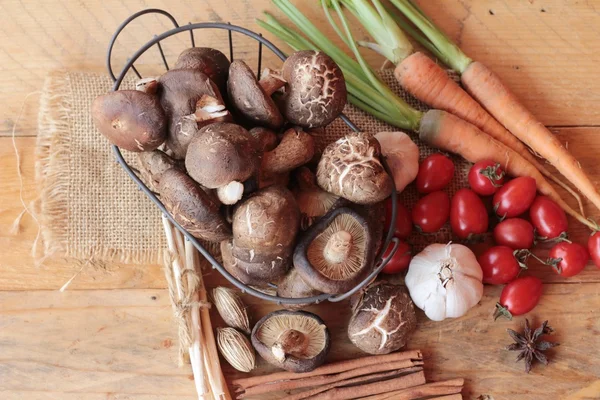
(91, 210)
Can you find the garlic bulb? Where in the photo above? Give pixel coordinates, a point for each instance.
(402, 155)
(445, 281)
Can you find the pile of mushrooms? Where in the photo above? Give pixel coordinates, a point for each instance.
(233, 159)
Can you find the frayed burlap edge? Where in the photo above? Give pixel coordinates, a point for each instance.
(55, 121)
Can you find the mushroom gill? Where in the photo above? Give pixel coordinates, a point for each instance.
(305, 336)
(339, 251)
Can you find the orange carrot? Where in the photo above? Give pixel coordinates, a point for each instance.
(485, 86)
(428, 82)
(450, 133)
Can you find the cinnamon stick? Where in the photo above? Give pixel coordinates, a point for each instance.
(449, 397)
(452, 386)
(376, 377)
(354, 392)
(328, 379)
(328, 369)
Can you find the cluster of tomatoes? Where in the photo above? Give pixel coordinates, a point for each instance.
(524, 216)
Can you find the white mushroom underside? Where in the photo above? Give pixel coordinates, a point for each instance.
(355, 260)
(273, 327)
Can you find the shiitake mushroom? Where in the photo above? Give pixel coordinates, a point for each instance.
(190, 100)
(351, 168)
(153, 164)
(222, 156)
(209, 61)
(193, 208)
(292, 286)
(383, 318)
(297, 341)
(131, 119)
(337, 252)
(252, 98)
(316, 92)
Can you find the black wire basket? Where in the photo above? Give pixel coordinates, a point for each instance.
(262, 42)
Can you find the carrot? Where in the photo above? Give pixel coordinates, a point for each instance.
(485, 86)
(495, 97)
(428, 82)
(450, 133)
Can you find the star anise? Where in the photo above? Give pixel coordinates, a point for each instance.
(529, 344)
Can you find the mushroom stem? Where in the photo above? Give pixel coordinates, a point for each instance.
(271, 81)
(290, 342)
(230, 193)
(147, 85)
(338, 247)
(295, 149)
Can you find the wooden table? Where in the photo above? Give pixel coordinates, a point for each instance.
(111, 334)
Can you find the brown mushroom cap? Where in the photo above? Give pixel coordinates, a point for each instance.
(294, 287)
(313, 201)
(238, 268)
(152, 164)
(297, 341)
(383, 319)
(192, 207)
(130, 119)
(220, 153)
(317, 90)
(249, 98)
(336, 253)
(207, 60)
(267, 221)
(351, 168)
(180, 90)
(265, 138)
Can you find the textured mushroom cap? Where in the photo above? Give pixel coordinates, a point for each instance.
(328, 276)
(192, 207)
(267, 331)
(383, 319)
(179, 91)
(317, 89)
(249, 98)
(152, 165)
(210, 61)
(351, 168)
(130, 119)
(220, 153)
(237, 268)
(266, 222)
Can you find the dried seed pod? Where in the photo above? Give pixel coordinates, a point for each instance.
(236, 349)
(231, 308)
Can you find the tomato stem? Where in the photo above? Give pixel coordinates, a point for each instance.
(491, 172)
(502, 311)
(563, 237)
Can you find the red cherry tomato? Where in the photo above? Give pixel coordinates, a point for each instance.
(548, 218)
(594, 248)
(516, 233)
(499, 265)
(486, 177)
(468, 215)
(435, 173)
(519, 297)
(515, 197)
(403, 224)
(569, 259)
(431, 212)
(399, 261)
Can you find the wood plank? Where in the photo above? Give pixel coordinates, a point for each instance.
(19, 272)
(548, 58)
(121, 344)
